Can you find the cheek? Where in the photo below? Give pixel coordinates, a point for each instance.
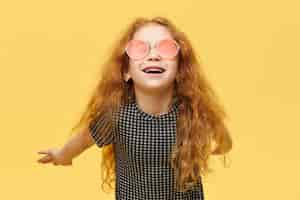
(173, 66)
(134, 66)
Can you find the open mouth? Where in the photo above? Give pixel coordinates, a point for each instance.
(153, 70)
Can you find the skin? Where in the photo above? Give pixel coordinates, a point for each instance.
(153, 93)
(72, 148)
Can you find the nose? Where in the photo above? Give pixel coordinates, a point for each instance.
(153, 55)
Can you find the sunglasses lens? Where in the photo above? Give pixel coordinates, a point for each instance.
(167, 48)
(136, 49)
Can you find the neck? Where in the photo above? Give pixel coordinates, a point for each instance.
(155, 103)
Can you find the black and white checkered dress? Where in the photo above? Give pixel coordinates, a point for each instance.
(142, 144)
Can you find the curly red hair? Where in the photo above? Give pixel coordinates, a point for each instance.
(200, 124)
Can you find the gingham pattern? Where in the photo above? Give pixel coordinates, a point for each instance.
(142, 144)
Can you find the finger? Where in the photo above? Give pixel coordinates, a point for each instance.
(45, 159)
(44, 152)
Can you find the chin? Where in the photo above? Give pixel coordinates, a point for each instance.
(156, 87)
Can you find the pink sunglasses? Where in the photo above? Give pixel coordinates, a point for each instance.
(138, 49)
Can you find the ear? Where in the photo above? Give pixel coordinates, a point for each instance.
(126, 76)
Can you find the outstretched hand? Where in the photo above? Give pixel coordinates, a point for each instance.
(53, 156)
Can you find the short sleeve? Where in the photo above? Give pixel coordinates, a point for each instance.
(102, 131)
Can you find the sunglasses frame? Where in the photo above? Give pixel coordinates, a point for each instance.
(149, 47)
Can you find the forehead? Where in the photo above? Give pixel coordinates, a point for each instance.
(152, 33)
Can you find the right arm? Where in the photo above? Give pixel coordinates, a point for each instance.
(72, 148)
(77, 144)
(99, 131)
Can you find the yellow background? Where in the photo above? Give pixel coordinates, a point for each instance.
(50, 53)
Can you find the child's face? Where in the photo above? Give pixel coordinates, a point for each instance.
(152, 33)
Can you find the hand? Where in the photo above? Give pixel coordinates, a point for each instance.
(53, 156)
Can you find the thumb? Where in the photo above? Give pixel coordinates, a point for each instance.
(44, 151)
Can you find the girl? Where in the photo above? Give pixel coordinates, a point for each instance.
(154, 115)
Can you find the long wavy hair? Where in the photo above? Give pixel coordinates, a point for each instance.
(200, 131)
